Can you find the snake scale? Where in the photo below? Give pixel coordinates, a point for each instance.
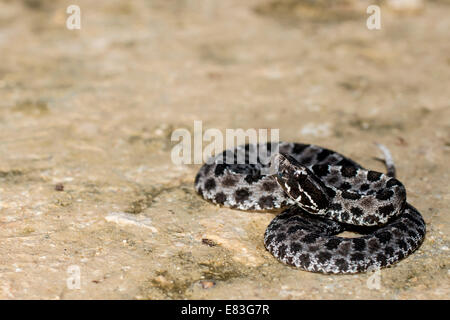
(322, 193)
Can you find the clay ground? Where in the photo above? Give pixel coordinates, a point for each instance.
(86, 177)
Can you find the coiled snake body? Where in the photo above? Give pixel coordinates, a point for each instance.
(324, 194)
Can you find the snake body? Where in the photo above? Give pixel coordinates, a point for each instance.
(323, 193)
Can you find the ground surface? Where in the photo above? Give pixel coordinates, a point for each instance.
(86, 115)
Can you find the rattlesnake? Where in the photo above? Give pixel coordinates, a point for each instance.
(323, 194)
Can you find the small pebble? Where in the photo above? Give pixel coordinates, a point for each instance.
(207, 284)
(209, 242)
(59, 187)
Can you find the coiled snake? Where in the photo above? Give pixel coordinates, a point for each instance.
(324, 194)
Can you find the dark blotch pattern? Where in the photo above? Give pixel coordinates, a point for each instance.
(241, 195)
(310, 238)
(220, 198)
(345, 163)
(266, 202)
(373, 245)
(322, 155)
(370, 220)
(280, 237)
(210, 184)
(350, 195)
(357, 256)
(357, 212)
(359, 244)
(269, 186)
(296, 247)
(384, 194)
(323, 256)
(345, 186)
(230, 181)
(373, 176)
(349, 172)
(382, 259)
(364, 187)
(220, 169)
(402, 244)
(320, 169)
(298, 148)
(294, 229)
(389, 251)
(383, 237)
(342, 264)
(333, 243)
(386, 210)
(305, 260)
(253, 178)
(345, 216)
(282, 250)
(336, 206)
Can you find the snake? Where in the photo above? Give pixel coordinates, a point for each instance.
(318, 194)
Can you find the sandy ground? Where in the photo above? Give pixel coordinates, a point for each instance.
(86, 179)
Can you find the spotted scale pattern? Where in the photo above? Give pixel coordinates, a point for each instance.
(311, 243)
(325, 193)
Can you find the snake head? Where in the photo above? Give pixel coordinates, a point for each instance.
(300, 184)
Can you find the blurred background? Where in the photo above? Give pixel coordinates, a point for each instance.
(86, 117)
